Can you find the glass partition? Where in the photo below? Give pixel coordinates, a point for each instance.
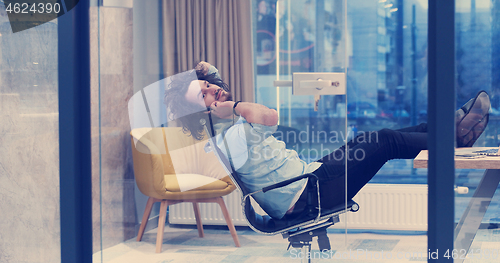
(113, 201)
(383, 51)
(307, 40)
(388, 74)
(380, 46)
(29, 128)
(386, 57)
(477, 204)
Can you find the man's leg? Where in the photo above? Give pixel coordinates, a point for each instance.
(422, 127)
(364, 160)
(364, 136)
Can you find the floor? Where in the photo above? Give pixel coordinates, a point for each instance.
(182, 244)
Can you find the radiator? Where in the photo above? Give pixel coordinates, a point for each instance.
(382, 207)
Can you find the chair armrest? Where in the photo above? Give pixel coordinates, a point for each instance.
(287, 182)
(148, 168)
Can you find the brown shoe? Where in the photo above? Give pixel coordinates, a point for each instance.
(471, 119)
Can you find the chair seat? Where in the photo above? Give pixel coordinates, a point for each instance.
(269, 225)
(216, 188)
(186, 182)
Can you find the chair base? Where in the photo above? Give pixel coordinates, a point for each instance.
(163, 216)
(302, 237)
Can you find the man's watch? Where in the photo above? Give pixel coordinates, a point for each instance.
(234, 108)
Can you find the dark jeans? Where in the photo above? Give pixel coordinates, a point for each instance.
(365, 154)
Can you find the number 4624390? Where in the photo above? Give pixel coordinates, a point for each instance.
(25, 8)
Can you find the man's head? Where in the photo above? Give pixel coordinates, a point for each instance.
(204, 93)
(189, 95)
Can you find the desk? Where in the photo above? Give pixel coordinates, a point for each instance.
(473, 215)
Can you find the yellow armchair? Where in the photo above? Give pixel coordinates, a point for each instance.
(171, 167)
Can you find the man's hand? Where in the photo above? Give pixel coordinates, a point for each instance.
(203, 66)
(222, 110)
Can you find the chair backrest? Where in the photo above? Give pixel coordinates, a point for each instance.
(158, 152)
(282, 134)
(226, 163)
(259, 223)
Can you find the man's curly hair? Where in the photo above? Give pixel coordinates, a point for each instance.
(178, 105)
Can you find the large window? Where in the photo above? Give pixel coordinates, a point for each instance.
(383, 50)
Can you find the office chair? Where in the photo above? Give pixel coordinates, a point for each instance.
(299, 230)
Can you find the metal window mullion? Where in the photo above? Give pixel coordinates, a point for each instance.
(441, 139)
(74, 134)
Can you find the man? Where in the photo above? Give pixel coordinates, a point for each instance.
(262, 160)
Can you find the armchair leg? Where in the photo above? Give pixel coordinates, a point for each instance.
(145, 217)
(161, 225)
(229, 222)
(197, 215)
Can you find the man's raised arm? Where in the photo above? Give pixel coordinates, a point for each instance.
(257, 113)
(252, 112)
